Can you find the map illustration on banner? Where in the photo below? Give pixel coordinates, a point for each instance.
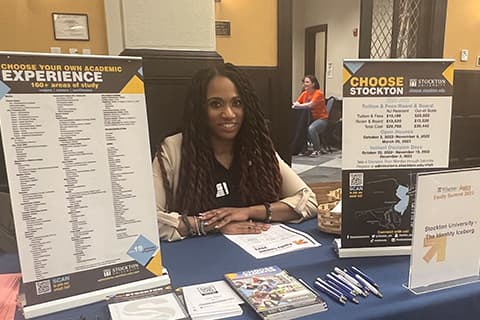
(75, 136)
(396, 123)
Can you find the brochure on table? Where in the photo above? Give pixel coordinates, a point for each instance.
(278, 239)
(75, 137)
(396, 123)
(446, 230)
(147, 304)
(212, 300)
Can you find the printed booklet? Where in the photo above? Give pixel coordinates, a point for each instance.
(274, 294)
(156, 303)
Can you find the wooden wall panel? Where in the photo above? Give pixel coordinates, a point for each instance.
(465, 129)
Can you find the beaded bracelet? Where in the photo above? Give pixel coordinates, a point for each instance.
(203, 232)
(197, 226)
(187, 224)
(268, 211)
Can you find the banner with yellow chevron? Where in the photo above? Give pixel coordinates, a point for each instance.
(75, 136)
(396, 123)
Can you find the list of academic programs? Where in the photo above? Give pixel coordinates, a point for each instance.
(397, 114)
(74, 131)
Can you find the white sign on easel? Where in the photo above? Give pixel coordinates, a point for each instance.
(396, 123)
(75, 135)
(446, 230)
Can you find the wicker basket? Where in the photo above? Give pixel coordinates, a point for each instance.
(328, 221)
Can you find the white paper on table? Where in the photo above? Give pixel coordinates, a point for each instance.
(277, 240)
(209, 297)
(219, 313)
(158, 307)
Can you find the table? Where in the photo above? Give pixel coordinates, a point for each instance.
(205, 259)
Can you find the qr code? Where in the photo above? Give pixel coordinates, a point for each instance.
(356, 179)
(206, 290)
(43, 287)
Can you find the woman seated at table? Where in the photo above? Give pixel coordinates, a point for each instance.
(221, 173)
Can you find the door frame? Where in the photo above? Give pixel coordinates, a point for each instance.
(310, 45)
(281, 115)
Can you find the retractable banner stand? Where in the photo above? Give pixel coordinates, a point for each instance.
(446, 231)
(396, 123)
(75, 136)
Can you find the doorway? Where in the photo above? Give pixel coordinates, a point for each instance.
(316, 53)
(322, 169)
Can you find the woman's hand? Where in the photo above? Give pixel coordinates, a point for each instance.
(222, 216)
(244, 227)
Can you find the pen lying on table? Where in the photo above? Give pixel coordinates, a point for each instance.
(344, 290)
(363, 275)
(348, 277)
(345, 284)
(329, 291)
(369, 286)
(364, 280)
(333, 278)
(345, 281)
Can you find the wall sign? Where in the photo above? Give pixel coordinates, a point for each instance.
(70, 26)
(222, 28)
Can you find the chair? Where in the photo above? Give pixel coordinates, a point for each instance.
(329, 103)
(299, 142)
(331, 137)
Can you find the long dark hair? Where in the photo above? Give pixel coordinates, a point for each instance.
(260, 178)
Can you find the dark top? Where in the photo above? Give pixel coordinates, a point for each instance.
(227, 185)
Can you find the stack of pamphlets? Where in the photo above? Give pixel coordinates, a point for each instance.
(9, 286)
(274, 294)
(212, 300)
(156, 303)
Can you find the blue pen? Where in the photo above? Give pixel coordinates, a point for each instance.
(345, 293)
(347, 276)
(352, 274)
(329, 292)
(308, 287)
(329, 286)
(341, 284)
(351, 285)
(364, 276)
(370, 286)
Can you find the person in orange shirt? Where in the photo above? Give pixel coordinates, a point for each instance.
(312, 98)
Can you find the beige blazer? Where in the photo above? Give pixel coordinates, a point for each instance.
(294, 192)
